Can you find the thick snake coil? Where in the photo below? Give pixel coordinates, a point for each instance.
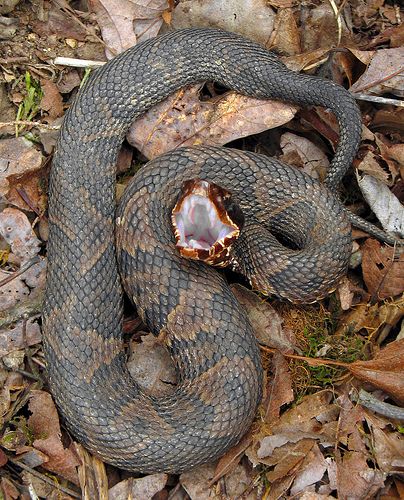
(186, 303)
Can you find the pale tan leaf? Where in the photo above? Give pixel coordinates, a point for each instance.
(184, 120)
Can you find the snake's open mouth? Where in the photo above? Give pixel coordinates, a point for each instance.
(206, 223)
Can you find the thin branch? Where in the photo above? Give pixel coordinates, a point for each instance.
(310, 361)
(44, 478)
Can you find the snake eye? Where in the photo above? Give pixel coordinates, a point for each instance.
(206, 222)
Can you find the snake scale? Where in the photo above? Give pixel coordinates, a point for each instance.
(186, 303)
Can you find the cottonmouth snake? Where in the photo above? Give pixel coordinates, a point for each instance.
(187, 304)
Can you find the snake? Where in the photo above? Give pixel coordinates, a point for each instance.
(300, 234)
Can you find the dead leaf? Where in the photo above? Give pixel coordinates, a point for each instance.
(20, 162)
(383, 74)
(388, 445)
(288, 457)
(266, 322)
(143, 488)
(184, 120)
(229, 461)
(124, 23)
(369, 165)
(311, 471)
(23, 288)
(252, 18)
(355, 479)
(383, 269)
(285, 37)
(280, 388)
(44, 423)
(371, 318)
(58, 23)
(17, 231)
(23, 334)
(51, 102)
(301, 152)
(151, 366)
(384, 204)
(385, 371)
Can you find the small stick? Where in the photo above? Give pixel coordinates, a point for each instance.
(77, 63)
(375, 98)
(386, 409)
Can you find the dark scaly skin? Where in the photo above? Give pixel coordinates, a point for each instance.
(219, 368)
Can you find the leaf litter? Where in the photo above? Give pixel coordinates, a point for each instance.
(329, 424)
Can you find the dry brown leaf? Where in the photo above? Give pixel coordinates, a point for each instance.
(124, 23)
(280, 388)
(229, 461)
(299, 62)
(184, 120)
(252, 18)
(301, 152)
(16, 229)
(385, 371)
(311, 471)
(285, 36)
(388, 445)
(57, 22)
(20, 162)
(370, 165)
(355, 479)
(44, 423)
(371, 318)
(143, 488)
(51, 102)
(151, 366)
(383, 74)
(383, 270)
(26, 288)
(266, 322)
(21, 335)
(288, 457)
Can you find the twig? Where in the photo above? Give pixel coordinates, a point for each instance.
(375, 98)
(22, 270)
(77, 63)
(386, 409)
(310, 361)
(337, 15)
(44, 478)
(29, 124)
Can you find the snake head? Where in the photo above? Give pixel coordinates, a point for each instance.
(206, 222)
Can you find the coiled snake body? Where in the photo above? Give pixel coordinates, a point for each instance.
(187, 303)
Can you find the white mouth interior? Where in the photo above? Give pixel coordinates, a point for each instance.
(198, 223)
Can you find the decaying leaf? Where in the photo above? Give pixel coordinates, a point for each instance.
(18, 233)
(252, 18)
(151, 366)
(369, 165)
(280, 388)
(266, 322)
(385, 371)
(384, 204)
(52, 101)
(126, 22)
(145, 488)
(20, 163)
(23, 334)
(184, 120)
(371, 318)
(383, 74)
(301, 152)
(44, 423)
(383, 269)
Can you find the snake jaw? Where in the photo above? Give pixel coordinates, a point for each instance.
(206, 222)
